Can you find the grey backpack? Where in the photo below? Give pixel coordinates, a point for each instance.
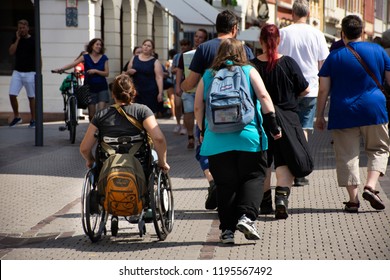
(229, 104)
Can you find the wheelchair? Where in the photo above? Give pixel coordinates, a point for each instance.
(159, 205)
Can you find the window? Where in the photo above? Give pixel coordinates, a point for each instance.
(341, 4)
(379, 9)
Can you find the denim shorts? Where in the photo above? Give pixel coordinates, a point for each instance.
(307, 110)
(101, 96)
(188, 101)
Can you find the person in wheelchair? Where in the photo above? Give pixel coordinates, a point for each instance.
(108, 122)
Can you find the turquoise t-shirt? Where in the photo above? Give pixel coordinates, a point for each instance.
(247, 140)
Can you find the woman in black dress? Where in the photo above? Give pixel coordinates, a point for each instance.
(285, 83)
(147, 74)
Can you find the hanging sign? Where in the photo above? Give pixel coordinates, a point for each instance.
(71, 13)
(263, 10)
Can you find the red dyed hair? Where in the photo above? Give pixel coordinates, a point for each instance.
(270, 36)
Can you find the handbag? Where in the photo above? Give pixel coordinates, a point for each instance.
(369, 72)
(293, 143)
(83, 96)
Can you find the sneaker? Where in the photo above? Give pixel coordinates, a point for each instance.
(351, 207)
(183, 130)
(114, 226)
(32, 124)
(15, 121)
(300, 182)
(247, 227)
(211, 199)
(177, 128)
(227, 237)
(371, 195)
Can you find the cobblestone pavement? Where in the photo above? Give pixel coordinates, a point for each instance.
(40, 205)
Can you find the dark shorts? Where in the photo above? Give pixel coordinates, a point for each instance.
(101, 96)
(167, 83)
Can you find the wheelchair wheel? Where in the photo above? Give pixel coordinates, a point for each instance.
(93, 215)
(162, 204)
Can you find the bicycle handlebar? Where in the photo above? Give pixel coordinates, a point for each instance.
(67, 72)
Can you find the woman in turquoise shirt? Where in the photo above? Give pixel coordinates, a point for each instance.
(237, 160)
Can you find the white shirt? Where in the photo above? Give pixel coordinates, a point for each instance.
(307, 46)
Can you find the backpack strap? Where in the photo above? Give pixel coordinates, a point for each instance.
(133, 121)
(111, 151)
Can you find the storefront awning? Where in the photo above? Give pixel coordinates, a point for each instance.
(191, 12)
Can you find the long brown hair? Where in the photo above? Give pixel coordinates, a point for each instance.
(232, 50)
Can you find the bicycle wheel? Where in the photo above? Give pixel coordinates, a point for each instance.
(72, 119)
(162, 204)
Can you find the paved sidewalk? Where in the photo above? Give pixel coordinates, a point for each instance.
(40, 206)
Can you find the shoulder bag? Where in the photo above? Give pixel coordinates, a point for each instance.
(293, 143)
(135, 122)
(369, 72)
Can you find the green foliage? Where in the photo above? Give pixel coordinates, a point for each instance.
(229, 3)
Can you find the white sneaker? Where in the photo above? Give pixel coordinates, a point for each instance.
(247, 227)
(177, 128)
(183, 131)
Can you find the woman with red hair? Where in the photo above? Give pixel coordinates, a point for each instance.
(285, 82)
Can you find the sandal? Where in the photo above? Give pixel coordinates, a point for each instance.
(351, 207)
(191, 142)
(371, 196)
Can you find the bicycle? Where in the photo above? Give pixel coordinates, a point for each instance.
(72, 82)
